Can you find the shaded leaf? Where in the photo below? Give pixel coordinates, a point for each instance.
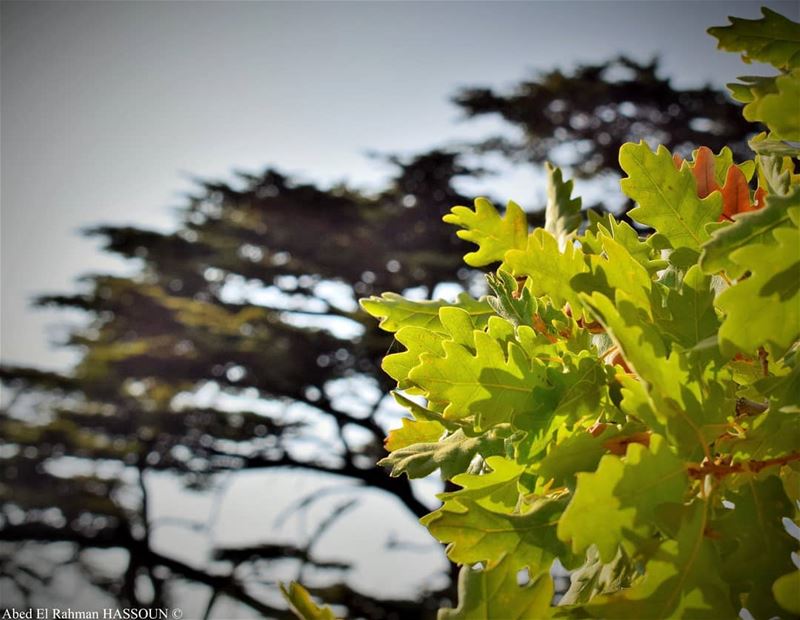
(693, 318)
(493, 593)
(681, 580)
(511, 302)
(773, 39)
(579, 452)
(759, 544)
(622, 496)
(476, 534)
(597, 577)
(747, 229)
(764, 309)
(452, 455)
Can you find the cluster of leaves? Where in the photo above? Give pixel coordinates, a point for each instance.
(769, 100)
(625, 405)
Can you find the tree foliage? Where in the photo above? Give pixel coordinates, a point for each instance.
(252, 299)
(631, 403)
(599, 107)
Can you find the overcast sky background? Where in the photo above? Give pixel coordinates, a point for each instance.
(109, 108)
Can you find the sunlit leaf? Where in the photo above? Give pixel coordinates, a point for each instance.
(494, 235)
(666, 198)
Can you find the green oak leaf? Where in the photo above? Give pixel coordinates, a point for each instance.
(691, 407)
(752, 87)
(412, 432)
(778, 110)
(638, 339)
(395, 311)
(562, 215)
(763, 144)
(517, 307)
(681, 580)
(492, 593)
(782, 390)
(453, 321)
(452, 455)
(476, 534)
(597, 577)
(769, 435)
(625, 235)
(773, 39)
(760, 547)
(459, 326)
(422, 413)
(579, 452)
(494, 235)
(417, 341)
(302, 605)
(548, 269)
(764, 308)
(616, 270)
(666, 197)
(494, 490)
(494, 380)
(622, 496)
(692, 315)
(754, 227)
(574, 389)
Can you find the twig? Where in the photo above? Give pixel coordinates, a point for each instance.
(722, 469)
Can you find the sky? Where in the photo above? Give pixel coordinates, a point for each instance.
(108, 110)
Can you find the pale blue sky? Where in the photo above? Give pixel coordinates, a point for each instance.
(108, 107)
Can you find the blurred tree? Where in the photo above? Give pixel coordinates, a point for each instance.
(254, 295)
(597, 108)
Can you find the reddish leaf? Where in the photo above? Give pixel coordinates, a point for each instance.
(619, 445)
(735, 194)
(596, 429)
(703, 171)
